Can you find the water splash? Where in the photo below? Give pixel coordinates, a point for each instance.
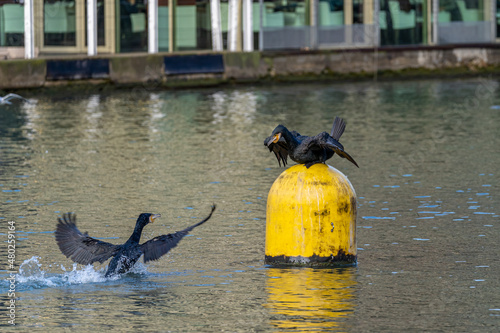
(32, 276)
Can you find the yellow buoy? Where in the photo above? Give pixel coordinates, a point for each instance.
(311, 218)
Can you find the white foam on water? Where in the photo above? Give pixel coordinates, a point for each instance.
(32, 275)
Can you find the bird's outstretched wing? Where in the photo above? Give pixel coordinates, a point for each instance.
(337, 147)
(338, 128)
(280, 149)
(81, 248)
(154, 248)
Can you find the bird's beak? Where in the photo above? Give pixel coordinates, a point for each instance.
(276, 138)
(153, 217)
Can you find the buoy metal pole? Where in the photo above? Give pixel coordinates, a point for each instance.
(311, 218)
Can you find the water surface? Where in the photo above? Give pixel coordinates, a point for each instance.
(428, 217)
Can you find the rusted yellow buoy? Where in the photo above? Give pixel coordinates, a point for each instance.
(311, 218)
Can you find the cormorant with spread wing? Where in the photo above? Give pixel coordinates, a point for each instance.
(85, 250)
(307, 150)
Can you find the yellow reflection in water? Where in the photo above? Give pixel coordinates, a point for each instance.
(310, 299)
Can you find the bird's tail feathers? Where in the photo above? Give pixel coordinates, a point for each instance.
(338, 128)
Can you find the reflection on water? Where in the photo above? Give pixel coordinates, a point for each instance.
(428, 216)
(310, 299)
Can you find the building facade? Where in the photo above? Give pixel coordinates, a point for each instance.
(32, 28)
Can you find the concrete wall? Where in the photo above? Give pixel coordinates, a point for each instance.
(183, 70)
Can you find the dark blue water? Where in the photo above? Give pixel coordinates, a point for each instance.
(428, 217)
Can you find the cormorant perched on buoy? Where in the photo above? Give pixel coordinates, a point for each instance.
(307, 150)
(85, 250)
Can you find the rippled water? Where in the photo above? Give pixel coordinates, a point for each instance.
(428, 217)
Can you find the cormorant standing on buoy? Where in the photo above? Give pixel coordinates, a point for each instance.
(307, 150)
(85, 250)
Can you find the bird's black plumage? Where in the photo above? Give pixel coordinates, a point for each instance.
(307, 150)
(85, 250)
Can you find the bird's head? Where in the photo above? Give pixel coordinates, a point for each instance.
(146, 218)
(276, 135)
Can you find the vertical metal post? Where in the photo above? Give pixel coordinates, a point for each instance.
(216, 25)
(435, 17)
(29, 36)
(232, 23)
(152, 26)
(91, 27)
(247, 26)
(171, 26)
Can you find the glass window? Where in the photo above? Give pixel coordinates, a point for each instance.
(278, 14)
(464, 21)
(224, 21)
(331, 13)
(163, 25)
(203, 25)
(343, 22)
(285, 24)
(59, 23)
(402, 22)
(460, 10)
(361, 30)
(256, 23)
(101, 35)
(185, 25)
(11, 24)
(133, 30)
(358, 11)
(331, 22)
(497, 17)
(192, 25)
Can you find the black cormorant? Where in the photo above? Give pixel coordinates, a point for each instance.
(85, 250)
(307, 150)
